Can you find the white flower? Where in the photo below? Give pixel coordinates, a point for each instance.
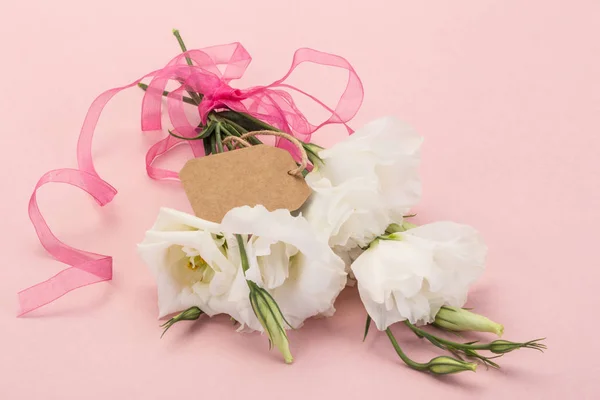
(412, 274)
(288, 260)
(347, 215)
(366, 182)
(385, 150)
(197, 263)
(191, 264)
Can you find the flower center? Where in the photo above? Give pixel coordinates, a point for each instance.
(202, 270)
(196, 262)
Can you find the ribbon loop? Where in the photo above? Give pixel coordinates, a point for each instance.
(86, 268)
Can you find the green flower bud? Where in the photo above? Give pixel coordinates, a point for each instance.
(447, 365)
(270, 317)
(313, 148)
(504, 346)
(458, 319)
(191, 314)
(312, 151)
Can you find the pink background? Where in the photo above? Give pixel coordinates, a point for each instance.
(506, 94)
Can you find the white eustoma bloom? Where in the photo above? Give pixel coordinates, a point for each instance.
(198, 263)
(191, 262)
(412, 274)
(366, 182)
(289, 260)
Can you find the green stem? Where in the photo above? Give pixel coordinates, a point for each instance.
(240, 129)
(218, 138)
(195, 96)
(226, 132)
(255, 123)
(404, 357)
(144, 87)
(233, 128)
(213, 144)
(229, 131)
(468, 350)
(182, 45)
(433, 339)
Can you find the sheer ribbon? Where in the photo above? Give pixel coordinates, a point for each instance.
(211, 72)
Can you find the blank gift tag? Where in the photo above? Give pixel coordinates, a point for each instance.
(246, 177)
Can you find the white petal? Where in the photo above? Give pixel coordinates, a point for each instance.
(459, 253)
(350, 214)
(173, 220)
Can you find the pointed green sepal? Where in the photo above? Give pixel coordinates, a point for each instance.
(367, 326)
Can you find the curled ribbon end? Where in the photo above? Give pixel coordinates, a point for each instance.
(82, 274)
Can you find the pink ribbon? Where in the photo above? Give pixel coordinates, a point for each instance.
(272, 104)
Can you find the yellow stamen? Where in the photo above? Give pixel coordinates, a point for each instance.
(196, 262)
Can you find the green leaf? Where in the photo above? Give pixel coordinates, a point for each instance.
(204, 133)
(248, 122)
(207, 148)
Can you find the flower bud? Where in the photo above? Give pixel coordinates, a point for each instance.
(447, 365)
(504, 346)
(312, 151)
(269, 315)
(191, 314)
(459, 319)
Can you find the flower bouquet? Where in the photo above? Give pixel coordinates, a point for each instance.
(280, 229)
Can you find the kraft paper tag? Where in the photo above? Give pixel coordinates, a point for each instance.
(250, 176)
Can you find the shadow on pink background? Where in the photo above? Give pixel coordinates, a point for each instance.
(506, 94)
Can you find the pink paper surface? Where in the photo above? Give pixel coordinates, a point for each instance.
(506, 94)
